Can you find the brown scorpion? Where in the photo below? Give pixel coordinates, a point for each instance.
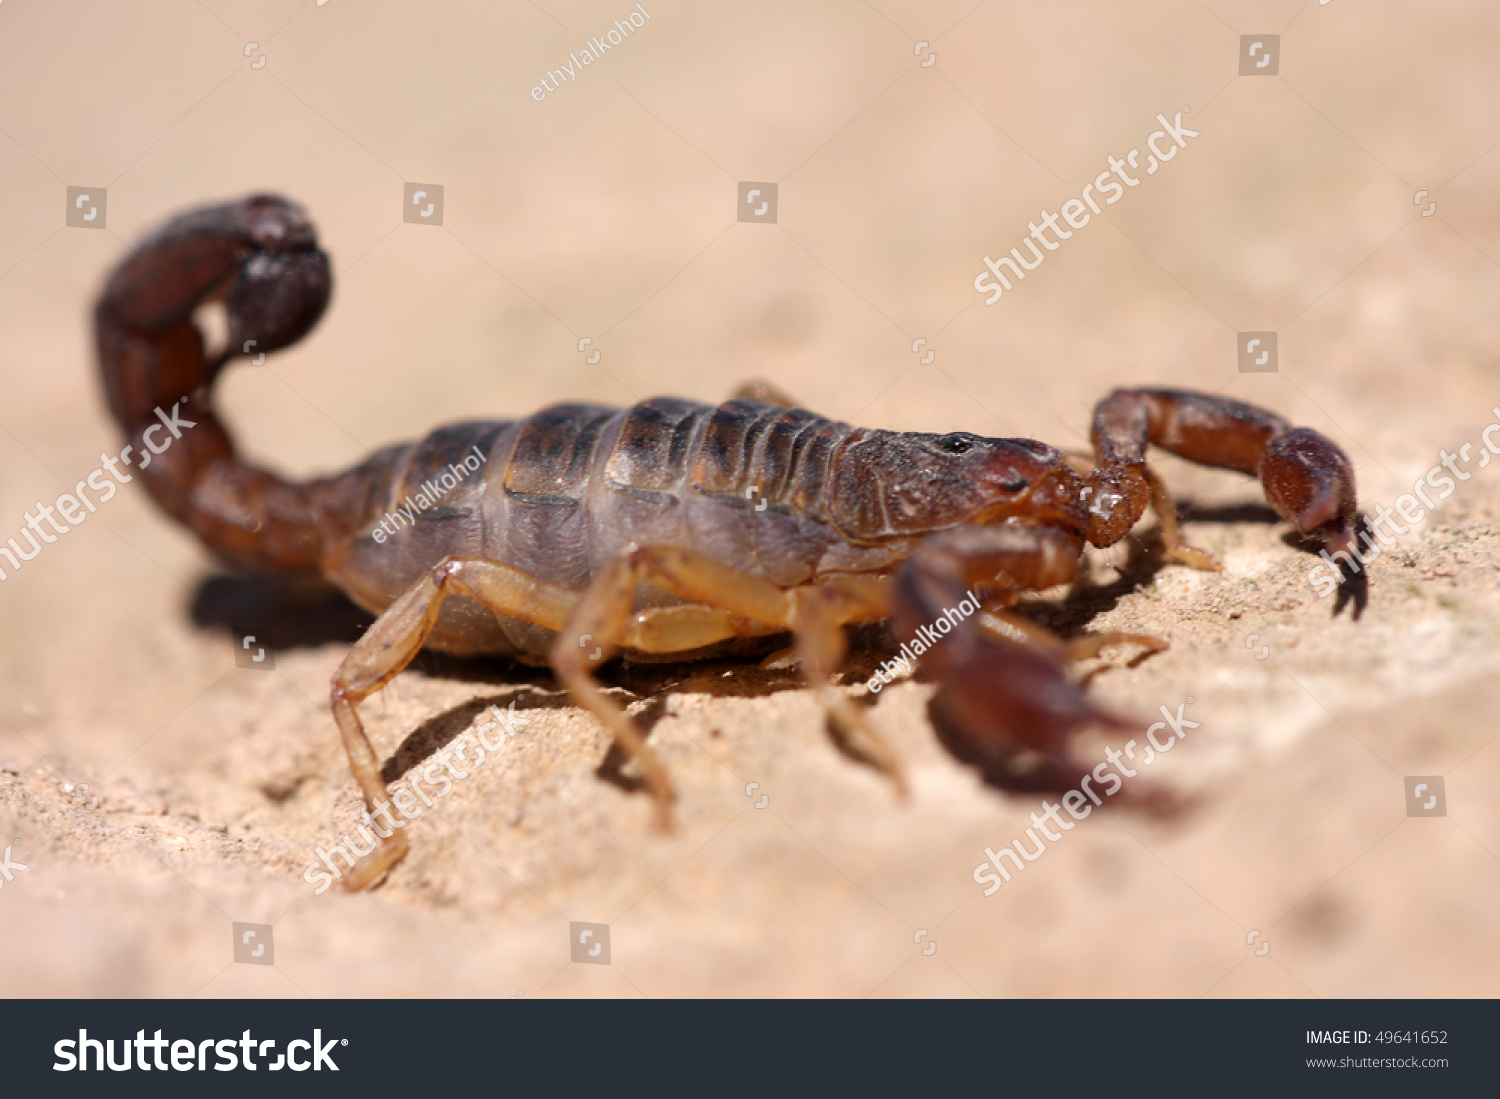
(669, 527)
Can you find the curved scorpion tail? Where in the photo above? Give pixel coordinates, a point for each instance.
(260, 258)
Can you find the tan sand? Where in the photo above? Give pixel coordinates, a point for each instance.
(607, 211)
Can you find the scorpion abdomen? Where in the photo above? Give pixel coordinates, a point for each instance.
(560, 494)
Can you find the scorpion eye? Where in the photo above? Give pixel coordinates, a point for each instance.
(1018, 485)
(956, 444)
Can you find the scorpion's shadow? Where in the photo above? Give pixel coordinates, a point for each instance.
(285, 615)
(288, 615)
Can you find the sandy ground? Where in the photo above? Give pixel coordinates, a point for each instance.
(156, 793)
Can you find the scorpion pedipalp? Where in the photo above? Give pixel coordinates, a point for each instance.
(1002, 689)
(1307, 478)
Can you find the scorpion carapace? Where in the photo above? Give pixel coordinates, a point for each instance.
(669, 528)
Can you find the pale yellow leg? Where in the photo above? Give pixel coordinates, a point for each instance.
(1166, 513)
(1022, 631)
(1178, 552)
(819, 616)
(724, 603)
(389, 645)
(764, 392)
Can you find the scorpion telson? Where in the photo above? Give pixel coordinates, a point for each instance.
(670, 528)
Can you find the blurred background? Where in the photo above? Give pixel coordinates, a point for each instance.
(1342, 196)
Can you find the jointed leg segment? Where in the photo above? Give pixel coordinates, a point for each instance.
(764, 391)
(1165, 509)
(819, 615)
(396, 637)
(1000, 623)
(723, 604)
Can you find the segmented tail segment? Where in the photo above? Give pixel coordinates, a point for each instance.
(260, 258)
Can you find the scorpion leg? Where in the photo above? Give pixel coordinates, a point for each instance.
(1308, 480)
(820, 612)
(1162, 506)
(389, 645)
(727, 603)
(818, 618)
(1023, 631)
(764, 392)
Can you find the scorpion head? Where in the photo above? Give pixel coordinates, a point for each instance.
(891, 485)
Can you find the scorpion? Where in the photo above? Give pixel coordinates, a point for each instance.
(668, 529)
